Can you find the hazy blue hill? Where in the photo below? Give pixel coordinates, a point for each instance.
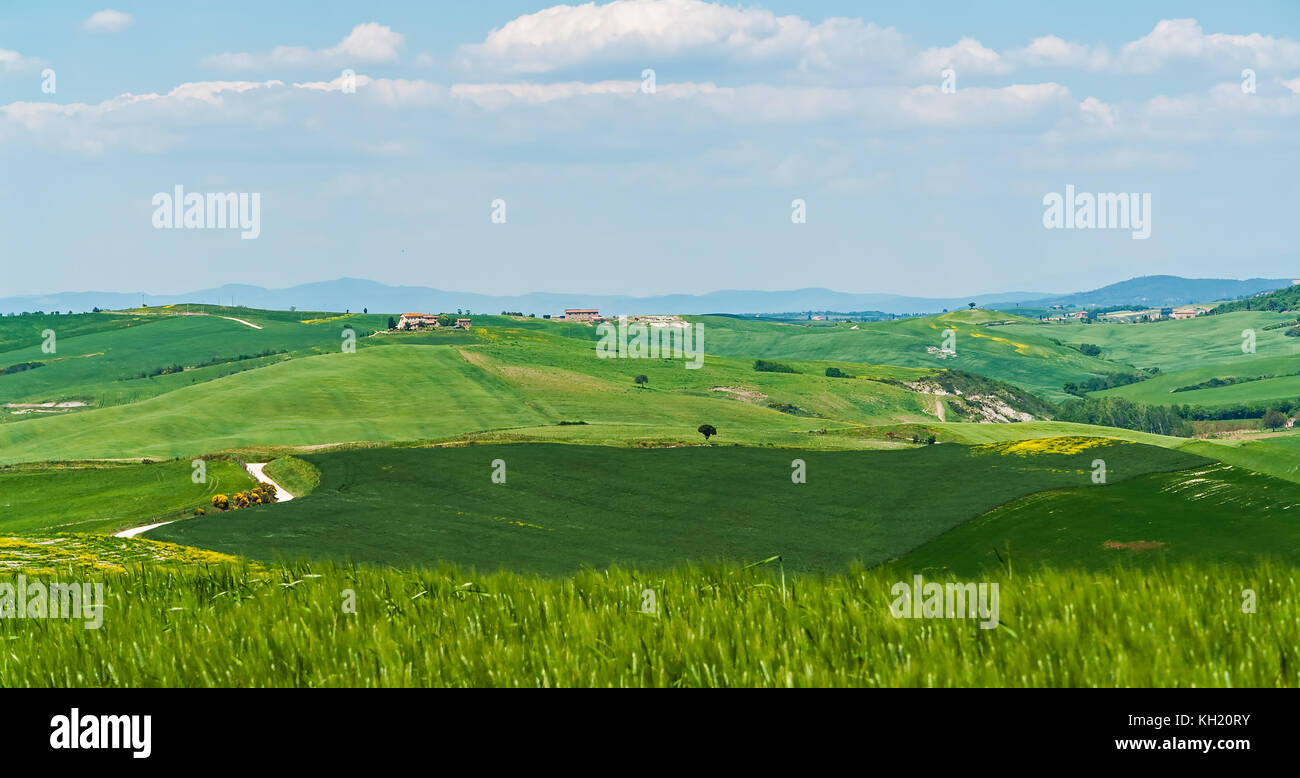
(1158, 291)
(354, 294)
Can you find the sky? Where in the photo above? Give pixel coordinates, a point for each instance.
(647, 147)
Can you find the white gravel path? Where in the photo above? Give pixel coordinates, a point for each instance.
(255, 469)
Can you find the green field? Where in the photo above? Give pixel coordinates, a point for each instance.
(1256, 389)
(565, 507)
(1218, 514)
(108, 496)
(1021, 355)
(1175, 344)
(1277, 455)
(507, 377)
(326, 625)
(102, 365)
(296, 476)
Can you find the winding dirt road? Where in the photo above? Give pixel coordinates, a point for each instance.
(255, 469)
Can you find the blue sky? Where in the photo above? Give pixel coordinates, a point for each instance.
(909, 188)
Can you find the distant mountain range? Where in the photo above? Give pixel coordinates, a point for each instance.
(355, 294)
(1158, 291)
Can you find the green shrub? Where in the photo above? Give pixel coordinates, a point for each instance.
(765, 366)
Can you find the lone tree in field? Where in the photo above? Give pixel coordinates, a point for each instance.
(1274, 419)
(708, 430)
(972, 306)
(642, 380)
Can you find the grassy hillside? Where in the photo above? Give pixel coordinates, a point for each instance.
(506, 377)
(229, 626)
(21, 332)
(113, 365)
(396, 393)
(1278, 455)
(295, 476)
(1019, 355)
(1214, 514)
(1176, 345)
(1287, 299)
(564, 507)
(1249, 374)
(107, 496)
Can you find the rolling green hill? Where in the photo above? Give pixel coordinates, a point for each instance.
(108, 496)
(1275, 455)
(563, 507)
(1176, 345)
(113, 365)
(1216, 514)
(507, 376)
(1020, 355)
(1248, 374)
(1286, 299)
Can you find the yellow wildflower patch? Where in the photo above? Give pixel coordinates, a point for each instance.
(1058, 445)
(328, 319)
(48, 555)
(1020, 348)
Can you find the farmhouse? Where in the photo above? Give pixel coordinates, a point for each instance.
(415, 321)
(464, 324)
(1190, 312)
(581, 314)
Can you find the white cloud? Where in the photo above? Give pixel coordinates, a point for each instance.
(966, 55)
(1053, 52)
(566, 36)
(13, 62)
(1222, 104)
(978, 106)
(1174, 40)
(501, 95)
(644, 33)
(368, 43)
(148, 123)
(108, 20)
(1098, 112)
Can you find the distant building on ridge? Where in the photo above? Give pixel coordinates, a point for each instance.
(415, 321)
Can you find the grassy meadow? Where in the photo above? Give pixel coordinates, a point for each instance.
(1175, 345)
(1218, 514)
(108, 496)
(563, 507)
(326, 625)
(1022, 356)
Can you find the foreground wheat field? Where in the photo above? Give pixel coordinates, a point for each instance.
(199, 624)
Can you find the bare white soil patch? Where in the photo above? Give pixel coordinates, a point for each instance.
(744, 395)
